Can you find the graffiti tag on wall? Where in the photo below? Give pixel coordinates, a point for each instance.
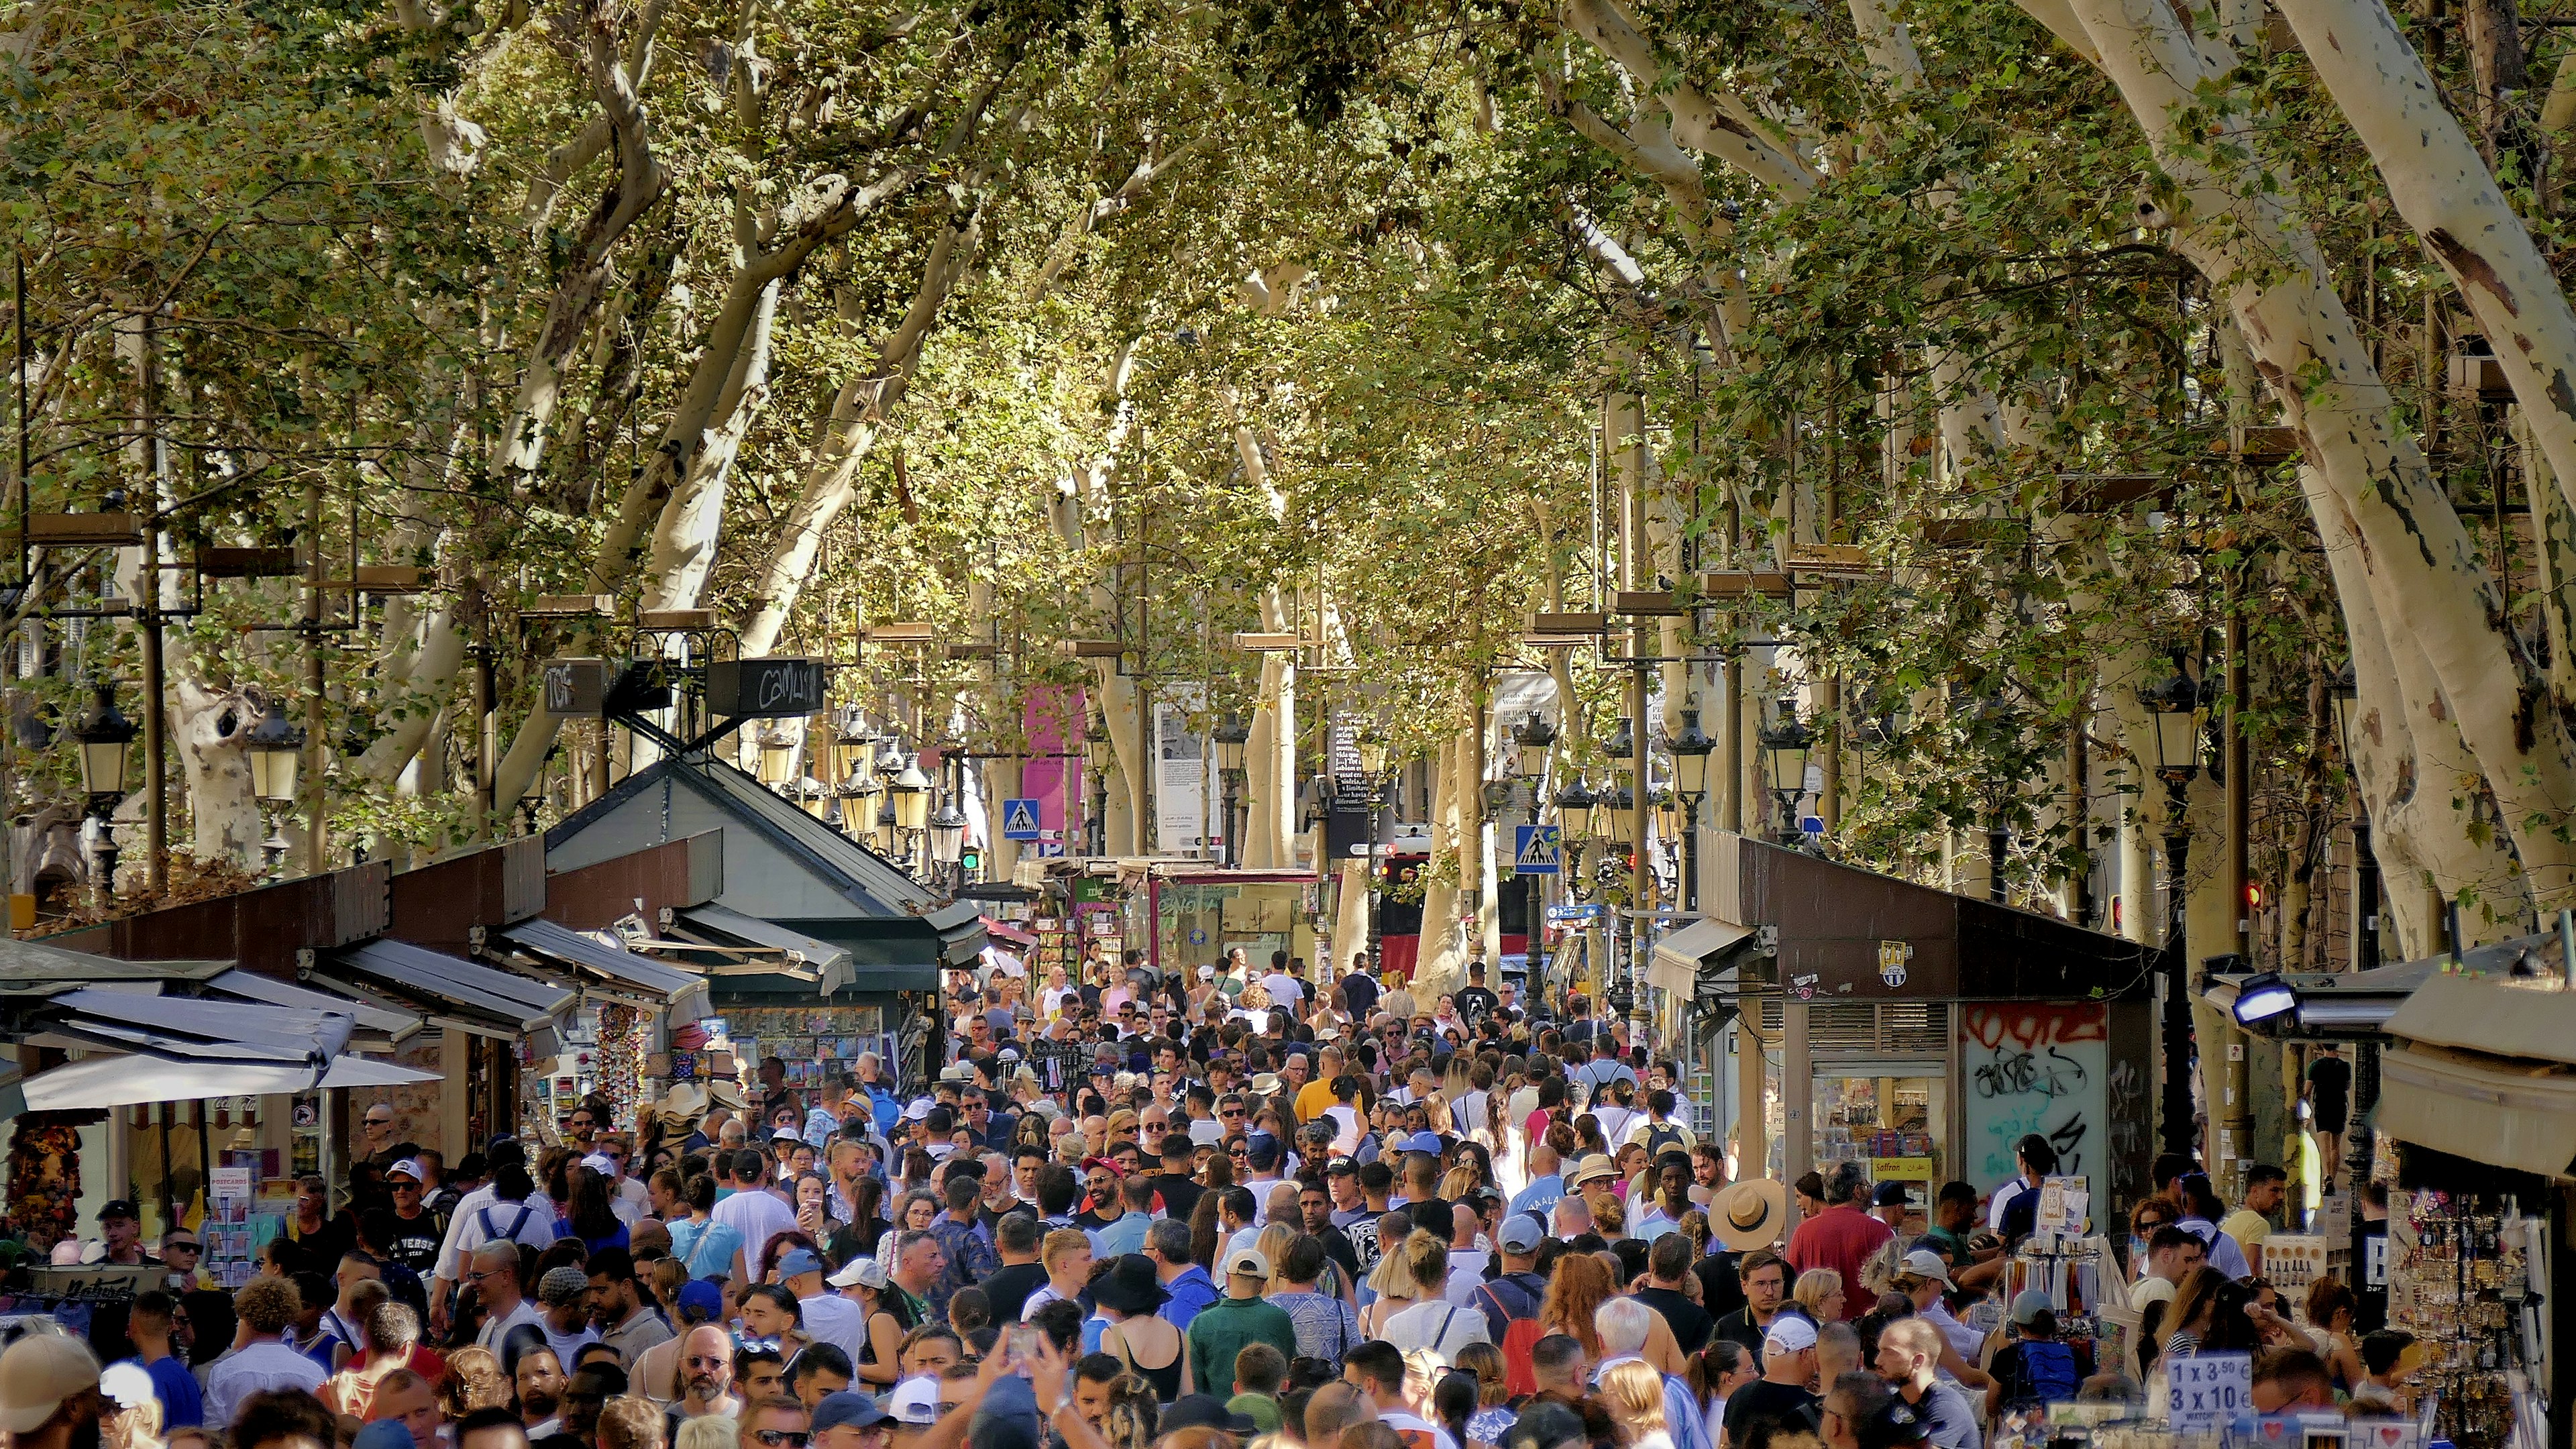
(2036, 1068)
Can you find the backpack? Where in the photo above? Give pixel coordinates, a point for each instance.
(2044, 1373)
(1660, 1137)
(493, 1234)
(1521, 1333)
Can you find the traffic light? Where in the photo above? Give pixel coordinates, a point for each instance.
(970, 859)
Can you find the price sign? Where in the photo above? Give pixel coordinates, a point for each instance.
(2211, 1391)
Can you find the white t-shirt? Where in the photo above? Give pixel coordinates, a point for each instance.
(1051, 1001)
(465, 1230)
(832, 1319)
(1466, 1275)
(1284, 990)
(757, 1214)
(1438, 1325)
(496, 1329)
(1347, 1139)
(1404, 1423)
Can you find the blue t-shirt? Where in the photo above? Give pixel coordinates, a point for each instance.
(706, 1250)
(183, 1404)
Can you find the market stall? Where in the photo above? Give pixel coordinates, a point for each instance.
(2477, 1098)
(1919, 1032)
(820, 940)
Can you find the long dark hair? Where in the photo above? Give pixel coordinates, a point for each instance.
(592, 1218)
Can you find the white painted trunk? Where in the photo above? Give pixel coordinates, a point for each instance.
(831, 481)
(206, 729)
(1442, 964)
(2418, 560)
(2442, 187)
(1133, 756)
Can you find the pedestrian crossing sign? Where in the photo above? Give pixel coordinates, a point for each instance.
(1534, 850)
(1020, 819)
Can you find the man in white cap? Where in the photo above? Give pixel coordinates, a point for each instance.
(49, 1392)
(1780, 1399)
(1242, 1317)
(1923, 1277)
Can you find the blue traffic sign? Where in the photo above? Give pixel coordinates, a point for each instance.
(1534, 850)
(1583, 911)
(1020, 819)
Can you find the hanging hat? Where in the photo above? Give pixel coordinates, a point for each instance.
(1747, 1215)
(685, 1102)
(727, 1094)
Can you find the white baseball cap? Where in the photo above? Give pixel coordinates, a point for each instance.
(1924, 1263)
(1789, 1333)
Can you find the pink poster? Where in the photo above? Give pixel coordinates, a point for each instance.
(1052, 774)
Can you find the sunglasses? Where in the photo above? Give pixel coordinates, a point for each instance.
(782, 1438)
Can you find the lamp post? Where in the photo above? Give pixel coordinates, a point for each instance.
(1690, 750)
(1231, 737)
(1999, 794)
(2174, 706)
(911, 798)
(1532, 740)
(104, 735)
(2345, 694)
(1784, 752)
(1575, 804)
(1373, 769)
(1096, 757)
(276, 746)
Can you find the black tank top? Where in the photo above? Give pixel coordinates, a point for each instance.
(1165, 1381)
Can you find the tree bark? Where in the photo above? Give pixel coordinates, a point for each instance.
(2421, 567)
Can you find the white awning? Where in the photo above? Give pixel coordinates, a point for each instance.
(1674, 963)
(395, 1026)
(125, 1081)
(615, 965)
(193, 1028)
(2482, 1109)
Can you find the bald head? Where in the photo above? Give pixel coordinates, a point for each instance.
(1463, 1223)
(1335, 1407)
(1543, 1161)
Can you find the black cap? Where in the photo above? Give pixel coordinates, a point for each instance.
(1341, 1167)
(1889, 1194)
(118, 1208)
(1205, 1411)
(1896, 1425)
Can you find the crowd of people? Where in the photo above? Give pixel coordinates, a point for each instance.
(1135, 1209)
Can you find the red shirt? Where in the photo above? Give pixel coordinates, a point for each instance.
(1841, 1238)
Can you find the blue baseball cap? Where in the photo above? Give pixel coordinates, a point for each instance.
(1425, 1141)
(384, 1434)
(701, 1301)
(797, 1262)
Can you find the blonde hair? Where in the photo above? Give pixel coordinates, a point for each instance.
(1812, 1287)
(630, 1423)
(1272, 1245)
(707, 1431)
(1493, 1383)
(1633, 1391)
(1061, 1242)
(1397, 1275)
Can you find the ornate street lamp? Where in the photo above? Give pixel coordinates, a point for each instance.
(910, 794)
(1622, 744)
(104, 735)
(947, 835)
(1690, 750)
(777, 756)
(1574, 806)
(854, 752)
(1534, 737)
(276, 747)
(2173, 706)
(1231, 738)
(1784, 745)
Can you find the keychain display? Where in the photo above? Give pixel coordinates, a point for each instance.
(2460, 1281)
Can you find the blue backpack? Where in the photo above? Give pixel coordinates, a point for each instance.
(2046, 1374)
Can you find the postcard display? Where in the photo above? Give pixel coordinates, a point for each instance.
(2463, 1277)
(811, 1041)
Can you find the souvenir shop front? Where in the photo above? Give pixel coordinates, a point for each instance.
(1918, 1032)
(814, 948)
(2476, 1121)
